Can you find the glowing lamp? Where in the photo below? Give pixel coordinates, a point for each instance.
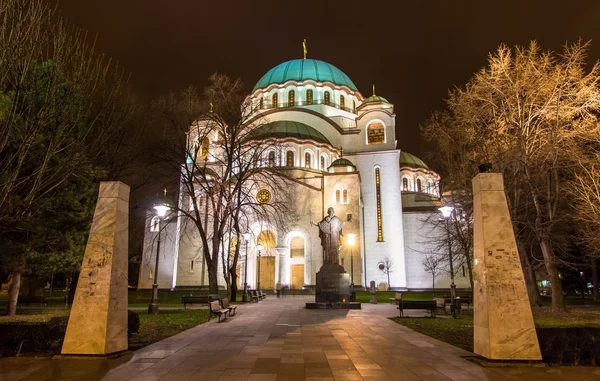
(446, 211)
(351, 239)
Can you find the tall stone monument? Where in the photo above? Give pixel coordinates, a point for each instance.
(503, 322)
(98, 319)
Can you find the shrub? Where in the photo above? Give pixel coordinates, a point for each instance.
(32, 336)
(133, 322)
(570, 346)
(44, 337)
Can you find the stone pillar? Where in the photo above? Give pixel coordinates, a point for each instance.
(503, 322)
(98, 319)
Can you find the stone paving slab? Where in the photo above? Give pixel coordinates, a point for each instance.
(279, 340)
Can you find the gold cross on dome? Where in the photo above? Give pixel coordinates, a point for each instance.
(341, 151)
(304, 48)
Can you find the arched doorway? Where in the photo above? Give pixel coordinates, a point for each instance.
(266, 261)
(297, 269)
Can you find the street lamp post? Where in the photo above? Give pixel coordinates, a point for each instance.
(447, 213)
(259, 247)
(245, 296)
(161, 206)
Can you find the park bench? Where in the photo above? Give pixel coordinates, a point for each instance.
(428, 305)
(440, 304)
(225, 304)
(463, 297)
(396, 299)
(254, 295)
(262, 294)
(198, 299)
(215, 309)
(37, 299)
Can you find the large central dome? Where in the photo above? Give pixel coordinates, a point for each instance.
(305, 69)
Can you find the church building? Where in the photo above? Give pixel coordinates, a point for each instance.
(343, 146)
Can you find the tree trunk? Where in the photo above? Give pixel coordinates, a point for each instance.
(558, 299)
(233, 288)
(595, 291)
(434, 285)
(213, 285)
(13, 293)
(528, 272)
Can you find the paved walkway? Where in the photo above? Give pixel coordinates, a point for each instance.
(277, 340)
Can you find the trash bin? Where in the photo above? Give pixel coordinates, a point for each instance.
(457, 305)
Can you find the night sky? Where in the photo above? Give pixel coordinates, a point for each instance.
(412, 50)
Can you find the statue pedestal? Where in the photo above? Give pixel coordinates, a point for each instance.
(332, 289)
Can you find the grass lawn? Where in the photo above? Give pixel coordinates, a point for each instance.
(165, 324)
(459, 332)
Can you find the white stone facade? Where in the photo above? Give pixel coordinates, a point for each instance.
(366, 195)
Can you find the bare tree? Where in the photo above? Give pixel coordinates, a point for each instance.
(521, 113)
(387, 267)
(225, 165)
(434, 265)
(586, 193)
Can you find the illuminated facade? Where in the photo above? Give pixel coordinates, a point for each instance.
(315, 110)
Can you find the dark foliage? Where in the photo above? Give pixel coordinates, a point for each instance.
(32, 336)
(570, 346)
(44, 337)
(133, 323)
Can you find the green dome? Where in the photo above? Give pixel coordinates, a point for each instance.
(302, 70)
(287, 129)
(408, 160)
(341, 165)
(375, 98)
(341, 162)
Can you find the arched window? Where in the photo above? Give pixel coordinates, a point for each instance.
(327, 98)
(275, 100)
(155, 224)
(342, 101)
(337, 196)
(307, 160)
(404, 184)
(272, 159)
(345, 196)
(266, 238)
(261, 103)
(419, 186)
(289, 158)
(205, 146)
(297, 247)
(291, 98)
(378, 194)
(322, 163)
(376, 133)
(309, 97)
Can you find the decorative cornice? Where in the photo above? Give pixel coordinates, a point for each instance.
(343, 131)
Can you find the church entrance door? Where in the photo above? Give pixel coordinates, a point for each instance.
(297, 277)
(267, 273)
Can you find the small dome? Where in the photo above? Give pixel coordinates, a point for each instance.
(304, 69)
(282, 129)
(409, 160)
(341, 165)
(375, 98)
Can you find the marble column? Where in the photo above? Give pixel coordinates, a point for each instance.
(503, 322)
(98, 320)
